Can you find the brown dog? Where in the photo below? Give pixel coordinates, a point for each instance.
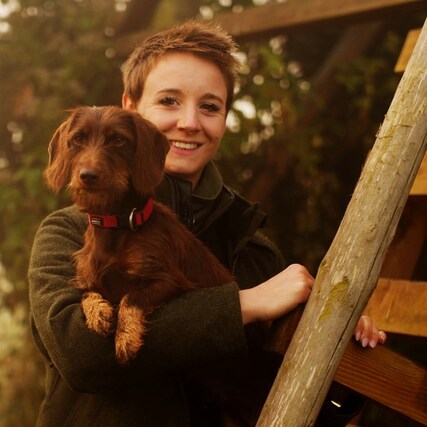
(136, 253)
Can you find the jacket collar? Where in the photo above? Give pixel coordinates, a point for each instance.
(198, 209)
(210, 201)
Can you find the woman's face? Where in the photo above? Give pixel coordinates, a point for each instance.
(185, 97)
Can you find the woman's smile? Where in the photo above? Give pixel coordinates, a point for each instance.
(186, 146)
(185, 97)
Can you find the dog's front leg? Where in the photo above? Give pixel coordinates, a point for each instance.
(131, 327)
(100, 314)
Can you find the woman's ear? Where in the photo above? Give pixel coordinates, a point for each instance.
(127, 103)
(150, 155)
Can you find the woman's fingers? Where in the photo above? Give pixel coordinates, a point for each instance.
(367, 333)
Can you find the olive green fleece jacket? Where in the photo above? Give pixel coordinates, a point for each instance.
(84, 384)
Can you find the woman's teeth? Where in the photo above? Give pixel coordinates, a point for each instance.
(184, 145)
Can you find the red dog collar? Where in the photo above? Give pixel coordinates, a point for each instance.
(133, 220)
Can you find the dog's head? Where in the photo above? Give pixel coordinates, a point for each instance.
(101, 153)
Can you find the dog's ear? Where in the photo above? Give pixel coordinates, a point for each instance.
(151, 150)
(57, 173)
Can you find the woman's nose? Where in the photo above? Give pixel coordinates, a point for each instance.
(189, 120)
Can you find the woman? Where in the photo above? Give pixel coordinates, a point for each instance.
(183, 81)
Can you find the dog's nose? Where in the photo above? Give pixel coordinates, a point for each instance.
(88, 176)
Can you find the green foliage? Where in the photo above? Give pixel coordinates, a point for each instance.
(55, 56)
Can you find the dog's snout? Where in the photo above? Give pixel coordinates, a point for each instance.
(88, 176)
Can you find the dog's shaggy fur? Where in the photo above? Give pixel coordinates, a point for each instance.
(112, 160)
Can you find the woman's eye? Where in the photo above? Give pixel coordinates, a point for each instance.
(211, 108)
(169, 100)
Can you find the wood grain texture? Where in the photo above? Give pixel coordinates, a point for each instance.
(419, 187)
(399, 306)
(350, 270)
(386, 377)
(379, 374)
(405, 249)
(278, 18)
(273, 18)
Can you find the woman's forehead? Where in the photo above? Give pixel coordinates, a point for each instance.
(178, 70)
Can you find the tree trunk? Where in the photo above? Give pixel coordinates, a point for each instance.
(350, 270)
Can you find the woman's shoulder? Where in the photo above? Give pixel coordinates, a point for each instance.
(59, 235)
(69, 218)
(71, 212)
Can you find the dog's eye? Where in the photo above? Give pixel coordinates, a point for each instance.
(79, 139)
(117, 140)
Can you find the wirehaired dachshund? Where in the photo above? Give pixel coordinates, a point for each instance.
(136, 253)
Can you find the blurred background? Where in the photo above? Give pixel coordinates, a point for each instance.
(311, 99)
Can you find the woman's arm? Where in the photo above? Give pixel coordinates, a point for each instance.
(197, 328)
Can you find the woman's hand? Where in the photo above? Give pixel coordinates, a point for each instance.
(367, 333)
(277, 296)
(285, 291)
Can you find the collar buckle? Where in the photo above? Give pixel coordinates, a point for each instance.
(131, 217)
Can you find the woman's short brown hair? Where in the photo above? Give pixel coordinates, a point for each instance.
(205, 40)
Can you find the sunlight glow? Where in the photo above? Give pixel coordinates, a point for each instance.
(7, 8)
(246, 107)
(206, 12)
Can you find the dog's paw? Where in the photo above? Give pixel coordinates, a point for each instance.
(100, 314)
(129, 335)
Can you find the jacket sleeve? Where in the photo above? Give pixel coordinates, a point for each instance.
(197, 328)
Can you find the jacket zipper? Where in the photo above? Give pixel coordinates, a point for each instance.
(234, 264)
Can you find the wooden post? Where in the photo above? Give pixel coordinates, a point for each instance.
(350, 270)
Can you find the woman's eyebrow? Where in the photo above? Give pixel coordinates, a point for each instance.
(206, 96)
(213, 97)
(169, 90)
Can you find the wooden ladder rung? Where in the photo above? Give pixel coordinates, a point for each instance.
(399, 306)
(386, 377)
(419, 187)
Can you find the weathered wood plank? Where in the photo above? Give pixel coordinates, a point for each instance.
(399, 306)
(276, 18)
(386, 377)
(405, 249)
(350, 270)
(420, 184)
(407, 49)
(379, 374)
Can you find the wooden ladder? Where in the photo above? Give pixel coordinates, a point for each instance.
(398, 305)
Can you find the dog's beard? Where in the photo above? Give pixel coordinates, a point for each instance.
(109, 195)
(92, 201)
